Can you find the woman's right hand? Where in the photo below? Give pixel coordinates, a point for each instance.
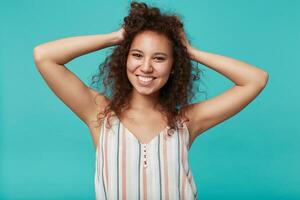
(120, 35)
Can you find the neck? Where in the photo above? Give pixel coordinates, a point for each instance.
(144, 102)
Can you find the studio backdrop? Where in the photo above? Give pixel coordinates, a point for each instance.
(46, 152)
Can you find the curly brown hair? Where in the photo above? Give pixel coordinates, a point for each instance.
(177, 91)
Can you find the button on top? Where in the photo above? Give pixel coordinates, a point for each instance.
(145, 156)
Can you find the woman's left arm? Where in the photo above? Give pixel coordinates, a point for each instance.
(249, 82)
(239, 72)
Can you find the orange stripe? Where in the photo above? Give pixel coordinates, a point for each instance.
(123, 165)
(105, 161)
(183, 163)
(165, 159)
(144, 183)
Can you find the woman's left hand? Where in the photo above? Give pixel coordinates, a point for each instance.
(184, 39)
(186, 43)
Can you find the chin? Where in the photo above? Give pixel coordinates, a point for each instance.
(145, 91)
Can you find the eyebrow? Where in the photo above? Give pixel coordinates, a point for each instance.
(154, 53)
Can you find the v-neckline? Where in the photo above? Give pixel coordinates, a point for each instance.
(147, 143)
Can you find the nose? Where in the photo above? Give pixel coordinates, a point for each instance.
(147, 66)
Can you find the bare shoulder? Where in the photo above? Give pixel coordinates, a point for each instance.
(99, 98)
(209, 113)
(195, 125)
(100, 102)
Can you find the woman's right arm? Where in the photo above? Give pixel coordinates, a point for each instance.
(50, 59)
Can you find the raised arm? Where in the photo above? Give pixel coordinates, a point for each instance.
(249, 82)
(50, 59)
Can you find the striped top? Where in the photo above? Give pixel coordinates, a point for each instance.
(128, 169)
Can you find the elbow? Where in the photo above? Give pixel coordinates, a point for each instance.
(263, 79)
(38, 54)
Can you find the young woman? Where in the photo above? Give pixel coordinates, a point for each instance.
(148, 125)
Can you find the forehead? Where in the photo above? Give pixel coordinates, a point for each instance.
(151, 41)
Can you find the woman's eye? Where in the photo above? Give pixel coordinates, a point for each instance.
(160, 58)
(137, 55)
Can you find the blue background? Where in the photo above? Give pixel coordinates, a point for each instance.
(46, 152)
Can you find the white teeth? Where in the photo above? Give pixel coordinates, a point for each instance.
(145, 81)
(143, 78)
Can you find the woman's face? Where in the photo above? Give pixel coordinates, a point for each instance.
(150, 55)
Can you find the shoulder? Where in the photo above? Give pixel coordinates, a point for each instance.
(99, 97)
(99, 102)
(194, 125)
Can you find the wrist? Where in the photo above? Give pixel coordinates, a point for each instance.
(114, 38)
(191, 51)
(118, 37)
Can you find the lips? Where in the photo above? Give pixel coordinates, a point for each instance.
(144, 81)
(146, 76)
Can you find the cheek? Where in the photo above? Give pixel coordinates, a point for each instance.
(163, 70)
(132, 64)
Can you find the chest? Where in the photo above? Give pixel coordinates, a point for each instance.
(144, 127)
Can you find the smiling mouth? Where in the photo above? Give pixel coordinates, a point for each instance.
(146, 76)
(145, 80)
